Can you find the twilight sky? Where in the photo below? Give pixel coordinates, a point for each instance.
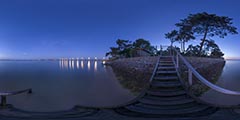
(87, 28)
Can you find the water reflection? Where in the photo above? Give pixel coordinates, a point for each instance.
(60, 64)
(65, 64)
(82, 65)
(77, 63)
(72, 63)
(63, 88)
(88, 64)
(95, 66)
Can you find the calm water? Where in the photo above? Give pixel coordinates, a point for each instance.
(229, 79)
(59, 85)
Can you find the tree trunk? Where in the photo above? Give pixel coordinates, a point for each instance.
(203, 40)
(183, 46)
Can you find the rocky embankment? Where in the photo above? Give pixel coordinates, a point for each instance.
(134, 73)
(209, 68)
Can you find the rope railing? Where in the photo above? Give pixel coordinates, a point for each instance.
(5, 94)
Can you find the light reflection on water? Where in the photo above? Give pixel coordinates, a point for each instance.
(82, 65)
(70, 64)
(88, 65)
(60, 85)
(75, 64)
(95, 65)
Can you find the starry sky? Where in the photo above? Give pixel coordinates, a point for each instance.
(32, 29)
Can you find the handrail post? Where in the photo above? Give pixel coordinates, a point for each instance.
(177, 61)
(190, 77)
(172, 51)
(3, 101)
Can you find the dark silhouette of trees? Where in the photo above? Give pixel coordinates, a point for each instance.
(181, 36)
(172, 36)
(122, 50)
(141, 43)
(202, 25)
(207, 26)
(211, 50)
(126, 48)
(192, 50)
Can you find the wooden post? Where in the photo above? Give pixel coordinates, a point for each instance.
(29, 91)
(177, 61)
(3, 101)
(190, 77)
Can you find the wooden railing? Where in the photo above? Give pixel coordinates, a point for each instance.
(192, 71)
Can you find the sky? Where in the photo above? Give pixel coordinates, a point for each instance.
(33, 29)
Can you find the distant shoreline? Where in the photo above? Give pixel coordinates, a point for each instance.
(29, 59)
(233, 59)
(51, 59)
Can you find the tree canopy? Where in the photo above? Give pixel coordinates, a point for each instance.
(141, 43)
(203, 25)
(180, 36)
(126, 48)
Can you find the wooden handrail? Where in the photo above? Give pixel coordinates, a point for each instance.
(155, 69)
(203, 80)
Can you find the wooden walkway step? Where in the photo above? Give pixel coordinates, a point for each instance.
(166, 94)
(165, 61)
(167, 72)
(166, 98)
(165, 78)
(166, 107)
(166, 64)
(166, 84)
(166, 89)
(165, 102)
(171, 67)
(166, 57)
(197, 108)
